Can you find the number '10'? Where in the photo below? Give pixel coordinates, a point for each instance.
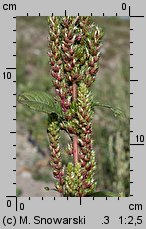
(7, 75)
(140, 138)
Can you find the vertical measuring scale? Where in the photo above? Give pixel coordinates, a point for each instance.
(57, 212)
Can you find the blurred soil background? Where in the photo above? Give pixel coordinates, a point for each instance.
(110, 133)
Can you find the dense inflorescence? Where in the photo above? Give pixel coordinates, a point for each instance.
(74, 44)
(56, 160)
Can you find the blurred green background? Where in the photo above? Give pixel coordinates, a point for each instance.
(110, 134)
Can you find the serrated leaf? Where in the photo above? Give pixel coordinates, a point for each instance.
(116, 111)
(40, 101)
(103, 194)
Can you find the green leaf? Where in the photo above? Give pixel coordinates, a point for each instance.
(103, 194)
(116, 111)
(40, 101)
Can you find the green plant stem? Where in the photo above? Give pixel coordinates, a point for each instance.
(75, 137)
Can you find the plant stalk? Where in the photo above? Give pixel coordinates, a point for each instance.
(75, 137)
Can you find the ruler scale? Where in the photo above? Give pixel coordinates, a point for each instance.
(104, 212)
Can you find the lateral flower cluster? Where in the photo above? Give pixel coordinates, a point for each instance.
(56, 160)
(74, 51)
